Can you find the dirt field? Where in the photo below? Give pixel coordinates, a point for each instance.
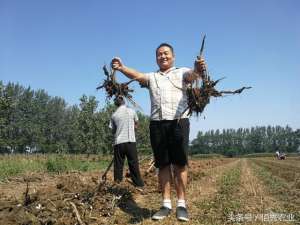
(220, 191)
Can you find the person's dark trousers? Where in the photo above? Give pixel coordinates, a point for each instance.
(127, 149)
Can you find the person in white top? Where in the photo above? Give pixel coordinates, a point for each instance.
(277, 154)
(169, 129)
(123, 122)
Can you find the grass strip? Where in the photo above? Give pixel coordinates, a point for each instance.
(14, 166)
(217, 210)
(279, 188)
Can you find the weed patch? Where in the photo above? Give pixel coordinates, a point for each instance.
(279, 188)
(13, 166)
(217, 210)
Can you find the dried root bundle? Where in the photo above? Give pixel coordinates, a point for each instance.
(115, 89)
(199, 96)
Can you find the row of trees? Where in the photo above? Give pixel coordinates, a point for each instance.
(246, 141)
(34, 121)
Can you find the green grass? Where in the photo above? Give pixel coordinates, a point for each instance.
(269, 154)
(279, 187)
(10, 167)
(14, 165)
(272, 182)
(216, 211)
(206, 156)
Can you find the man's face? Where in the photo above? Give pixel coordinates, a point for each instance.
(164, 58)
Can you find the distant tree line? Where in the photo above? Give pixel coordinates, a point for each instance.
(36, 122)
(33, 121)
(232, 142)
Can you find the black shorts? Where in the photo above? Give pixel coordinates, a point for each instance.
(169, 141)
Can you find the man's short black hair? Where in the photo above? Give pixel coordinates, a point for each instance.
(165, 44)
(119, 100)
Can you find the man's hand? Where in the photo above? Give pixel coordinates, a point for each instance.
(116, 63)
(200, 66)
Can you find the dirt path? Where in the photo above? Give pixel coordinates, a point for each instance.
(202, 187)
(253, 189)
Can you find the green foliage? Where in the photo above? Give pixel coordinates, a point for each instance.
(17, 164)
(143, 134)
(34, 121)
(280, 186)
(232, 152)
(9, 169)
(229, 185)
(224, 201)
(12, 166)
(63, 163)
(56, 164)
(59, 164)
(86, 124)
(262, 154)
(207, 156)
(231, 142)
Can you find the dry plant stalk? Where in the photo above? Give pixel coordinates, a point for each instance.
(77, 214)
(27, 199)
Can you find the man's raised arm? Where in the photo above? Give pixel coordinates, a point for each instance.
(117, 64)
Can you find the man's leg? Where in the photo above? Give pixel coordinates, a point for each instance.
(164, 176)
(180, 185)
(180, 161)
(158, 137)
(119, 158)
(133, 164)
(180, 173)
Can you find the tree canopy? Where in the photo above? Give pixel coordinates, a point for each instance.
(232, 142)
(34, 121)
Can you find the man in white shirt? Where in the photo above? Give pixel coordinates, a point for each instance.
(123, 123)
(169, 129)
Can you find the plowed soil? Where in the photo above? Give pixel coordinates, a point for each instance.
(80, 198)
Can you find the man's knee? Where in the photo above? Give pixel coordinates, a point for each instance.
(180, 168)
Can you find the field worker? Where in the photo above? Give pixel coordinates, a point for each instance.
(169, 131)
(277, 154)
(123, 123)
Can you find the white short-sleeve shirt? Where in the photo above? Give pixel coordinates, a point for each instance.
(122, 122)
(168, 94)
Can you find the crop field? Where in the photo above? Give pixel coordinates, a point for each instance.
(65, 190)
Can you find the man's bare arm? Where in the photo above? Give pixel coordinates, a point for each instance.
(117, 64)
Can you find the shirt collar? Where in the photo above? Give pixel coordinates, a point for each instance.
(168, 71)
(121, 106)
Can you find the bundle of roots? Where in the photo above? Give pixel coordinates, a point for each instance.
(115, 89)
(199, 95)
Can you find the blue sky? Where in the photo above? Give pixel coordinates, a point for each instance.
(60, 46)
